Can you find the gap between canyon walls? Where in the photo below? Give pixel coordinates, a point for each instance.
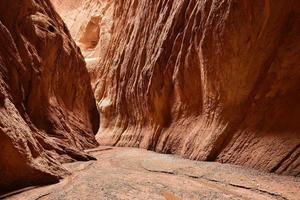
(211, 80)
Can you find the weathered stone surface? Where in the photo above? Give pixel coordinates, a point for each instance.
(47, 109)
(127, 173)
(90, 23)
(208, 80)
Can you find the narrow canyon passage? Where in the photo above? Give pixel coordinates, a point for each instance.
(213, 80)
(126, 173)
(149, 99)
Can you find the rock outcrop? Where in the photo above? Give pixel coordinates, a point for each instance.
(48, 113)
(214, 80)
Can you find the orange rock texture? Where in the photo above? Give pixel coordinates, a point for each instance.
(84, 19)
(215, 80)
(48, 113)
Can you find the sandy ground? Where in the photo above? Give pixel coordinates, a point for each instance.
(126, 173)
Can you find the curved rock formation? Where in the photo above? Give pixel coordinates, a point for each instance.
(47, 109)
(208, 80)
(90, 23)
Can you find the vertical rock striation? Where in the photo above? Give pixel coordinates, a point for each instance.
(208, 80)
(47, 109)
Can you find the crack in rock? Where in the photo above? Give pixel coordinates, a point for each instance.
(260, 191)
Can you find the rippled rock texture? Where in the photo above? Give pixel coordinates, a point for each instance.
(214, 80)
(47, 109)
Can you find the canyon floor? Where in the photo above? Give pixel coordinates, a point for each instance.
(128, 173)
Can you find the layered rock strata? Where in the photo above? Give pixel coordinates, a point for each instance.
(47, 110)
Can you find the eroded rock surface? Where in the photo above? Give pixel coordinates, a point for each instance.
(47, 110)
(208, 80)
(126, 173)
(90, 23)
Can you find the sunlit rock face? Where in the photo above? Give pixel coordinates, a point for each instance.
(211, 80)
(48, 113)
(90, 23)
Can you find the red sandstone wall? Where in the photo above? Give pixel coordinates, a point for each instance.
(208, 80)
(47, 109)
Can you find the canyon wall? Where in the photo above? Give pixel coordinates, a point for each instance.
(84, 19)
(48, 113)
(215, 80)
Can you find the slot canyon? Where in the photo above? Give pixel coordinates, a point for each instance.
(149, 99)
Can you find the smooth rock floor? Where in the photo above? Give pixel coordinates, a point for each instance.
(128, 173)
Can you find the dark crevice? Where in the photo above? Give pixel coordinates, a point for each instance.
(51, 28)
